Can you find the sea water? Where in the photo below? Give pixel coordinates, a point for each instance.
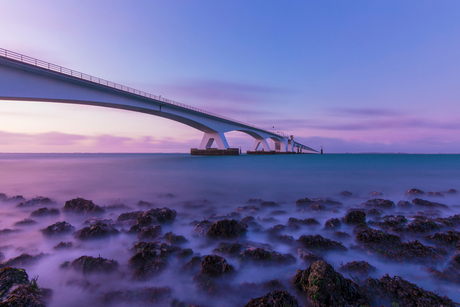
(197, 187)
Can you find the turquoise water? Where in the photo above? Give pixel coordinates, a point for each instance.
(183, 182)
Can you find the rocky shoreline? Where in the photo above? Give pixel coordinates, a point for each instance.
(261, 253)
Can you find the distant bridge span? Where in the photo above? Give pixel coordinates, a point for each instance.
(30, 79)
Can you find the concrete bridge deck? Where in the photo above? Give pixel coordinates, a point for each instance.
(29, 79)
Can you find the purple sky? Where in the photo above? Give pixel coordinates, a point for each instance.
(351, 76)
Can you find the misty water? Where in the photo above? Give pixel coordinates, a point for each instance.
(201, 188)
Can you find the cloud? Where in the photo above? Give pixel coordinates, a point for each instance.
(368, 112)
(225, 91)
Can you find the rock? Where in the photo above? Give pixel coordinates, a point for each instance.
(276, 230)
(426, 203)
(249, 208)
(175, 239)
(306, 222)
(149, 233)
(447, 238)
(228, 249)
(215, 266)
(319, 244)
(16, 290)
(262, 256)
(375, 193)
(404, 204)
(379, 203)
(25, 222)
(434, 194)
(275, 299)
(8, 231)
(10, 277)
(95, 220)
(129, 216)
(413, 192)
(269, 204)
(333, 223)
(59, 228)
(346, 193)
(377, 239)
(314, 208)
(88, 264)
(96, 231)
(306, 202)
(151, 296)
(451, 192)
(374, 212)
(63, 245)
(255, 201)
(421, 226)
(307, 256)
(360, 268)
(399, 292)
(3, 196)
(146, 252)
(45, 212)
(16, 199)
(193, 264)
(145, 204)
(23, 259)
(391, 221)
(149, 270)
(201, 228)
(81, 206)
(341, 235)
(355, 217)
(156, 216)
(323, 286)
(39, 200)
(226, 229)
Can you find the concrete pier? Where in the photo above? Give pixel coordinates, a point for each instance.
(215, 152)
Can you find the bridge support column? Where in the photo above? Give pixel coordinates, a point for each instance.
(210, 137)
(281, 145)
(258, 142)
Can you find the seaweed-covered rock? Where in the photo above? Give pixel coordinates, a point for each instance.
(3, 196)
(88, 264)
(404, 204)
(201, 228)
(276, 230)
(16, 199)
(319, 244)
(149, 232)
(174, 239)
(333, 223)
(58, 228)
(23, 259)
(379, 203)
(39, 200)
(413, 192)
(156, 216)
(422, 226)
(399, 292)
(346, 193)
(228, 249)
(391, 221)
(63, 245)
(95, 220)
(414, 251)
(426, 203)
(248, 208)
(355, 217)
(360, 268)
(292, 222)
(274, 299)
(269, 204)
(375, 193)
(226, 229)
(25, 222)
(45, 212)
(149, 270)
(341, 235)
(215, 266)
(145, 252)
(129, 216)
(151, 296)
(377, 238)
(446, 238)
(262, 256)
(10, 277)
(193, 264)
(96, 231)
(323, 286)
(81, 206)
(307, 256)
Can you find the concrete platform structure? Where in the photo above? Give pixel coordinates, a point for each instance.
(24, 78)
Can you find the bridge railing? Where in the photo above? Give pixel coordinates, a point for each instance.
(76, 74)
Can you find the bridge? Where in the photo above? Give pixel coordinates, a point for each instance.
(24, 78)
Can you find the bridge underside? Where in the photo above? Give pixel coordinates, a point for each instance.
(25, 82)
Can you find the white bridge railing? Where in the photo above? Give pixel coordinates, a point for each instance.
(76, 74)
